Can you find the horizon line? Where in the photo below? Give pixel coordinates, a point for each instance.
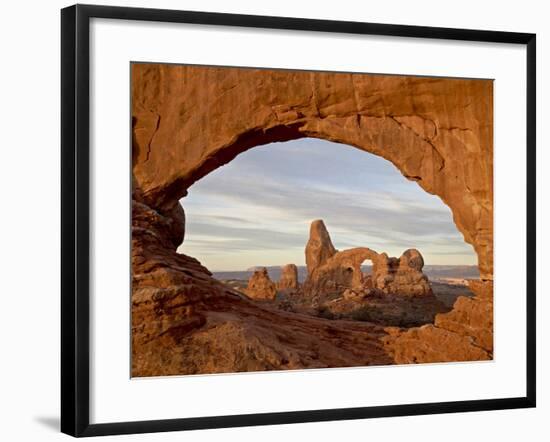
(303, 265)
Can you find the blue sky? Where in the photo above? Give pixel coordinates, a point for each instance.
(256, 210)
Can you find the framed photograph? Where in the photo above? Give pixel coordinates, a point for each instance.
(272, 220)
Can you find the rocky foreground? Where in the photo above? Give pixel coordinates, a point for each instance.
(186, 322)
(384, 310)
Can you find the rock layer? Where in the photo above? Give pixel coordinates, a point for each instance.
(463, 334)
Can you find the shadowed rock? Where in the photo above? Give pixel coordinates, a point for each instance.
(463, 334)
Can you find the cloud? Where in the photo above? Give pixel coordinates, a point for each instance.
(263, 202)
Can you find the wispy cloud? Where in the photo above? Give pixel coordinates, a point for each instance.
(257, 209)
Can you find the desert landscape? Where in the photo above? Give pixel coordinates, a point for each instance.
(357, 306)
(390, 292)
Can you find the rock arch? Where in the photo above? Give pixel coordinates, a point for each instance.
(189, 120)
(332, 271)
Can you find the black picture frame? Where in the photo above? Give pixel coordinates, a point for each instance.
(75, 225)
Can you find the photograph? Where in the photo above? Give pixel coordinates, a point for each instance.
(278, 221)
(300, 219)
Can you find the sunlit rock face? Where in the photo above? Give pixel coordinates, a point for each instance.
(319, 247)
(402, 276)
(334, 272)
(189, 120)
(260, 285)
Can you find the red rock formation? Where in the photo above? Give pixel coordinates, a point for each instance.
(338, 273)
(463, 334)
(260, 285)
(189, 120)
(186, 322)
(288, 282)
(319, 247)
(401, 276)
(331, 271)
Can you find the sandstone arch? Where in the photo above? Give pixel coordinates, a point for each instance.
(331, 271)
(189, 120)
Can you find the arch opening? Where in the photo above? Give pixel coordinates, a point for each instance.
(435, 131)
(427, 169)
(255, 212)
(367, 273)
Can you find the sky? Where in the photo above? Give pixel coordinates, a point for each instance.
(256, 210)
